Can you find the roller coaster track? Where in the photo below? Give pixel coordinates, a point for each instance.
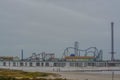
(96, 53)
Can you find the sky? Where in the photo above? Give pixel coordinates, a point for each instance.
(52, 25)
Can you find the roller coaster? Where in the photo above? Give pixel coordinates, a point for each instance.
(88, 54)
(41, 57)
(96, 54)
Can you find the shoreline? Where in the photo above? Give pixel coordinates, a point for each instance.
(88, 76)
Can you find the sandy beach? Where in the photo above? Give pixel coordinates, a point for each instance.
(88, 76)
(71, 75)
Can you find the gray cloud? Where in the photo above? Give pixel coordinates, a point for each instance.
(53, 25)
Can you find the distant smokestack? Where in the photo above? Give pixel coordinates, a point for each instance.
(112, 41)
(22, 54)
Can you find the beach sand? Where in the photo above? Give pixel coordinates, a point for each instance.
(71, 75)
(87, 76)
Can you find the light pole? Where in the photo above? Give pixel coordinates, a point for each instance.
(112, 75)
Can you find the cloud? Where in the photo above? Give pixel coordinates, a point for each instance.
(51, 26)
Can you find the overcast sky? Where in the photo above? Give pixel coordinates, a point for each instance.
(53, 25)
